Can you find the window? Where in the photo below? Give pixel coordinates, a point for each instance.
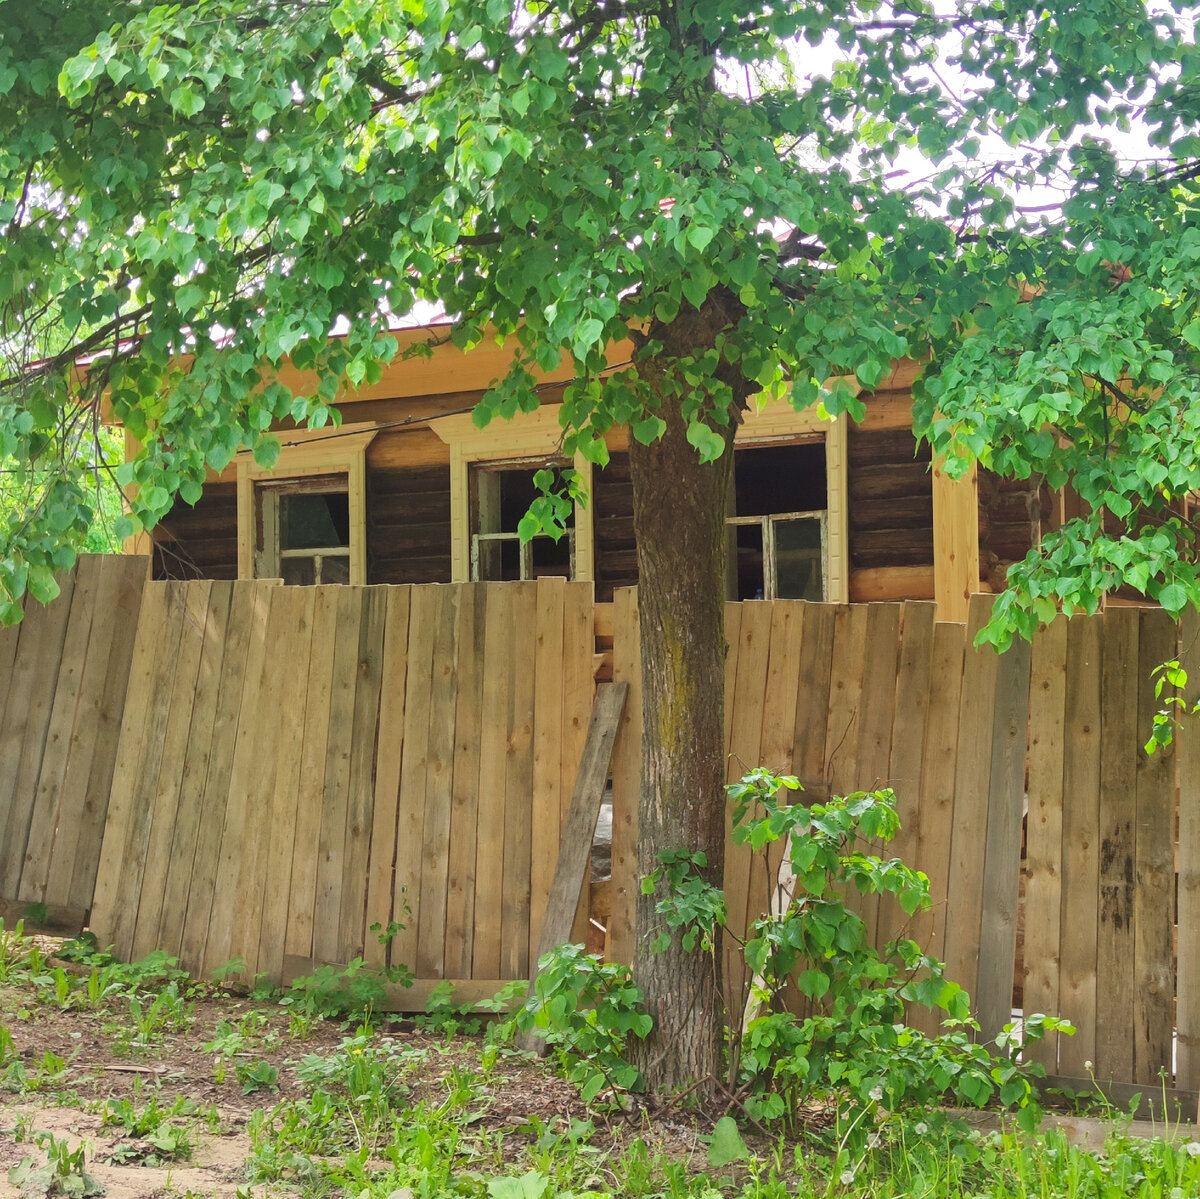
(778, 527)
(500, 495)
(304, 521)
(303, 530)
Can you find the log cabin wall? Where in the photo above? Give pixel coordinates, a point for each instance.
(891, 515)
(1011, 512)
(200, 541)
(612, 514)
(408, 508)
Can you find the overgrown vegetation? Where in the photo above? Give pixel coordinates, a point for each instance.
(369, 1109)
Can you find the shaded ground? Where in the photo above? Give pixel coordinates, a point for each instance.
(87, 1064)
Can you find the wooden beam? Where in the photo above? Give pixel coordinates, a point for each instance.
(575, 847)
(955, 542)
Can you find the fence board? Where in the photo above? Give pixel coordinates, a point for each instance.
(1002, 850)
(1154, 874)
(936, 817)
(166, 791)
(439, 788)
(45, 816)
(1081, 829)
(964, 907)
(578, 688)
(914, 680)
(1044, 846)
(493, 759)
(464, 801)
(518, 775)
(812, 689)
(1187, 1004)
(241, 734)
(627, 778)
(30, 700)
(382, 863)
(310, 796)
(292, 609)
(547, 754)
(1114, 934)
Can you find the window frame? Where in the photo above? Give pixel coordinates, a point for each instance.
(305, 453)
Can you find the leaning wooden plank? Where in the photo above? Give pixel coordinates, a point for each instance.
(186, 834)
(302, 901)
(464, 799)
(164, 799)
(1154, 867)
(914, 681)
(1002, 850)
(439, 789)
(234, 632)
(627, 779)
(335, 799)
(243, 772)
(493, 761)
(972, 779)
(1187, 999)
(61, 742)
(1081, 831)
(354, 933)
(132, 578)
(548, 816)
(113, 886)
(382, 860)
(939, 765)
(30, 699)
(410, 818)
(518, 786)
(578, 687)
(1043, 841)
(292, 612)
(576, 846)
(1118, 813)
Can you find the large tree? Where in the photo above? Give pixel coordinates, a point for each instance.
(756, 196)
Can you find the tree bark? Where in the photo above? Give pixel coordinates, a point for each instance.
(679, 516)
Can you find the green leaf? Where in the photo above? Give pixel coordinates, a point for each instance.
(710, 445)
(726, 1144)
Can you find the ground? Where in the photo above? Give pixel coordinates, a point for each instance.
(170, 1086)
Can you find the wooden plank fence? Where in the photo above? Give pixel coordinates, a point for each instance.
(63, 675)
(855, 697)
(300, 764)
(294, 765)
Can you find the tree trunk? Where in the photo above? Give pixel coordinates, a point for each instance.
(679, 516)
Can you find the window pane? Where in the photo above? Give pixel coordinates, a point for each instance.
(779, 478)
(798, 559)
(747, 549)
(335, 569)
(314, 520)
(298, 572)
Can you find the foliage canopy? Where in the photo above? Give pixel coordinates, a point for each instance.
(193, 193)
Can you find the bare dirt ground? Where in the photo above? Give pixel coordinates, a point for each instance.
(73, 1071)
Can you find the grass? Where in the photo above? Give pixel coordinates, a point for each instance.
(372, 1110)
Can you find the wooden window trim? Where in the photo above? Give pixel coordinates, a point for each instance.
(308, 452)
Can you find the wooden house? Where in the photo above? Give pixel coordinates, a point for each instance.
(408, 490)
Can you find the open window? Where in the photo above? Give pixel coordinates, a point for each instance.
(304, 520)
(778, 526)
(501, 493)
(303, 529)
